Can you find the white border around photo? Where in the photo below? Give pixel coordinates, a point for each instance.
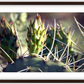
(46, 9)
(42, 8)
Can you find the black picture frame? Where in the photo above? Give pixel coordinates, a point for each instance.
(41, 81)
(41, 3)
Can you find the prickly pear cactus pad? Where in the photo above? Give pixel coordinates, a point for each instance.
(36, 64)
(36, 36)
(61, 39)
(60, 35)
(8, 39)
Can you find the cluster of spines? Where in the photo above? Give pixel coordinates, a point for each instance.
(61, 36)
(36, 36)
(8, 38)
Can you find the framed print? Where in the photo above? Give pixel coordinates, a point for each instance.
(41, 42)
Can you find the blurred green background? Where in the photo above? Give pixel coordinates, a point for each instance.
(22, 21)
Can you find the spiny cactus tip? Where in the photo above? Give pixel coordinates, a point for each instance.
(43, 21)
(59, 22)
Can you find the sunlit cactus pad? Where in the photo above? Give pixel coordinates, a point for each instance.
(36, 36)
(37, 63)
(8, 39)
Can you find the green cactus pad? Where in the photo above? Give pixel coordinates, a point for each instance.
(36, 36)
(37, 63)
(8, 39)
(61, 36)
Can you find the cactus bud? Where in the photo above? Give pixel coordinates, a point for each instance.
(37, 31)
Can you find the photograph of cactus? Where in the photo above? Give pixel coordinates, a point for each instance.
(41, 42)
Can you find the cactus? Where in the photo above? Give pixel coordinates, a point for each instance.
(8, 39)
(60, 35)
(37, 63)
(61, 38)
(36, 36)
(36, 40)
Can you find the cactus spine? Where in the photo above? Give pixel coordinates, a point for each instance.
(8, 38)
